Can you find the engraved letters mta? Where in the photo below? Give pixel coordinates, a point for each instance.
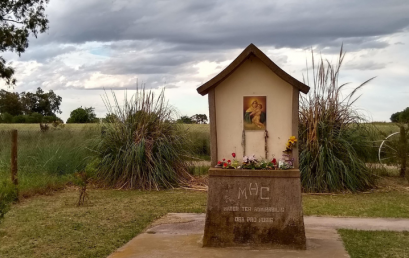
(253, 189)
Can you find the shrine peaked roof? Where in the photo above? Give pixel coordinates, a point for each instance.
(252, 50)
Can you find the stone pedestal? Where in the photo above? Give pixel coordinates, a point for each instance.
(254, 208)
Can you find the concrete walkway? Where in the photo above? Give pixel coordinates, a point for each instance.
(180, 235)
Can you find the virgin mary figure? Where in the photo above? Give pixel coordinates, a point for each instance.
(251, 112)
(247, 117)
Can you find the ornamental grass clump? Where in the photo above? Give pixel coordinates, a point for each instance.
(332, 136)
(141, 148)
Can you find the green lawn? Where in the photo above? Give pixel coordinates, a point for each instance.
(375, 244)
(394, 204)
(52, 226)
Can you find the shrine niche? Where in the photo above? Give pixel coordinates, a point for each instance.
(254, 196)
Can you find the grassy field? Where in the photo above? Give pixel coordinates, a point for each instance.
(46, 161)
(53, 226)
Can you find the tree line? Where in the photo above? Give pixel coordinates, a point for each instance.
(195, 119)
(28, 107)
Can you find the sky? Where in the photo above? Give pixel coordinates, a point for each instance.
(95, 46)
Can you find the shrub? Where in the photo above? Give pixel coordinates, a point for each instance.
(20, 119)
(332, 135)
(82, 115)
(142, 149)
(6, 118)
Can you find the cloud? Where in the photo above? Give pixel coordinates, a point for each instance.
(224, 24)
(93, 44)
(364, 65)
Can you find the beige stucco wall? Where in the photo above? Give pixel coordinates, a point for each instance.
(252, 78)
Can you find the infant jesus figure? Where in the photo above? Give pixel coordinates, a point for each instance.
(256, 116)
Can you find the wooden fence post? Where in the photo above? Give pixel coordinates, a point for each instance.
(14, 177)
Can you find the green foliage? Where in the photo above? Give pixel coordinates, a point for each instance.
(401, 117)
(142, 149)
(199, 119)
(19, 20)
(30, 107)
(82, 115)
(395, 117)
(44, 103)
(24, 119)
(404, 116)
(46, 161)
(199, 141)
(10, 103)
(331, 135)
(6, 118)
(110, 118)
(8, 194)
(184, 120)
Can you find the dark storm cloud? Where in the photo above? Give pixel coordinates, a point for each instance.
(161, 41)
(225, 24)
(46, 52)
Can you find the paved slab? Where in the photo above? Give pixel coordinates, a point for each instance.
(180, 235)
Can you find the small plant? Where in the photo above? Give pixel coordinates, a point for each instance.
(8, 194)
(44, 127)
(83, 178)
(248, 163)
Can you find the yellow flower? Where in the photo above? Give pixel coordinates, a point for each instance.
(292, 139)
(288, 144)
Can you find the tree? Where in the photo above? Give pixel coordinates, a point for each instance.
(10, 103)
(199, 118)
(47, 104)
(185, 120)
(402, 118)
(395, 117)
(18, 20)
(82, 115)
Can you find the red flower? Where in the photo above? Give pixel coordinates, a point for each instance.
(219, 162)
(233, 154)
(224, 159)
(274, 161)
(224, 164)
(229, 161)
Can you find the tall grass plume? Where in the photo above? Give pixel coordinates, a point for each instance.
(141, 148)
(332, 136)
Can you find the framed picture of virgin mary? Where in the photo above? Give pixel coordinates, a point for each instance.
(254, 112)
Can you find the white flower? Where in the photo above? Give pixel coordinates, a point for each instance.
(245, 159)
